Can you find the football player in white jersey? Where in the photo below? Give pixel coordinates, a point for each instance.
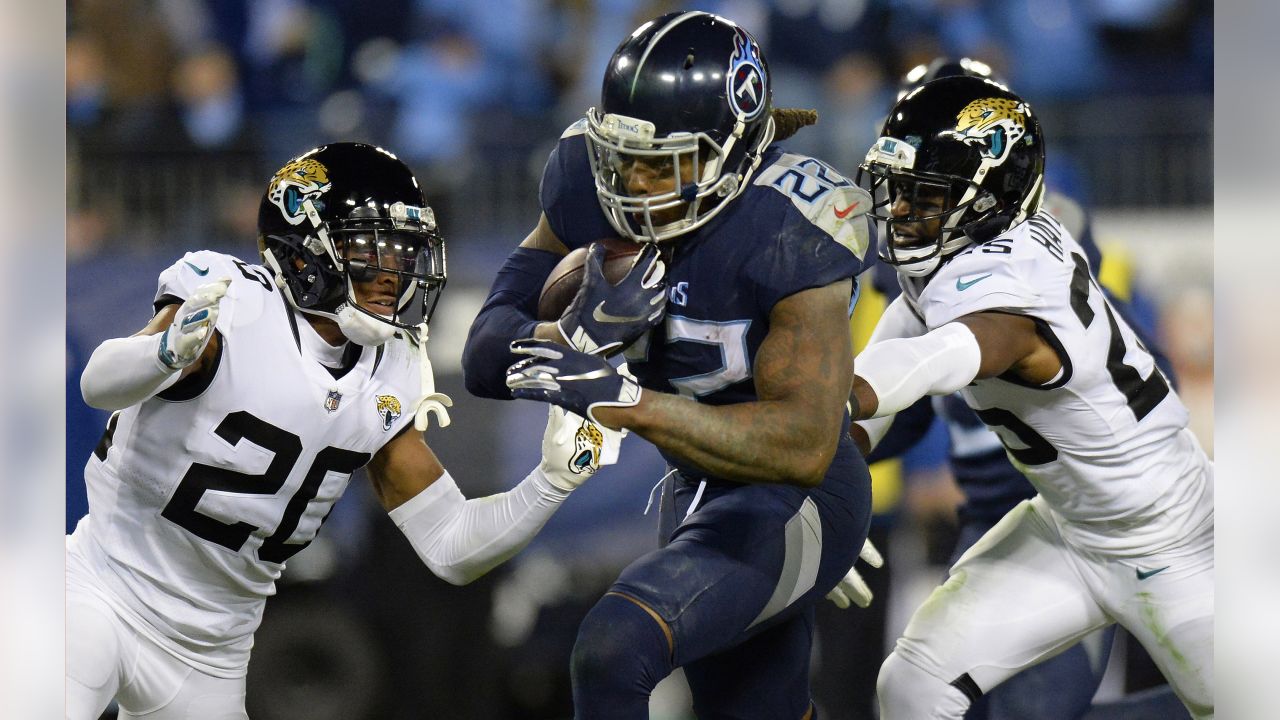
(241, 411)
(999, 304)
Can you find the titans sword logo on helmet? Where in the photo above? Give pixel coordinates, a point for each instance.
(746, 78)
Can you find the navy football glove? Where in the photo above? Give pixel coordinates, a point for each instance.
(576, 381)
(604, 317)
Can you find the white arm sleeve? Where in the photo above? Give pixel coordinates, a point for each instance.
(903, 370)
(875, 428)
(461, 539)
(124, 372)
(897, 321)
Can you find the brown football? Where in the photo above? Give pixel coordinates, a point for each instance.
(566, 277)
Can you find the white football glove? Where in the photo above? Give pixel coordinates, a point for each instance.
(187, 336)
(853, 589)
(574, 448)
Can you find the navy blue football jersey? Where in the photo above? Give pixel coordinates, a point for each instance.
(797, 225)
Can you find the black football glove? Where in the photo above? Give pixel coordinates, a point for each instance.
(604, 317)
(576, 381)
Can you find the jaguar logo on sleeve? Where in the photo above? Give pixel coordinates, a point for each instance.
(388, 407)
(994, 124)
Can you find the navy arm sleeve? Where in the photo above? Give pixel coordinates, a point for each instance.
(509, 313)
(908, 427)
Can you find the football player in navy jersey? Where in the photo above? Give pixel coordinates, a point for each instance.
(734, 321)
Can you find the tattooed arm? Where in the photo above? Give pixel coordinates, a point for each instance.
(802, 374)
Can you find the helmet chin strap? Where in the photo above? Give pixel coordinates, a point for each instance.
(430, 401)
(371, 332)
(362, 329)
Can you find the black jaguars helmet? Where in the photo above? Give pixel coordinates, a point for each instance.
(685, 85)
(965, 152)
(340, 214)
(944, 66)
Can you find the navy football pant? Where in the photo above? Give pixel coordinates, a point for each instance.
(730, 599)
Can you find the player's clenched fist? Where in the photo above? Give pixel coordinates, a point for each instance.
(188, 335)
(604, 317)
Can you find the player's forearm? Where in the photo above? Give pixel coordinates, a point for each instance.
(460, 540)
(763, 441)
(487, 354)
(124, 372)
(508, 314)
(893, 374)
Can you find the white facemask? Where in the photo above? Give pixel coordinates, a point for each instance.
(362, 329)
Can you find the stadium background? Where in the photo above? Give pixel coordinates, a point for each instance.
(178, 111)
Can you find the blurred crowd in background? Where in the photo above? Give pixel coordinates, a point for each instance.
(178, 112)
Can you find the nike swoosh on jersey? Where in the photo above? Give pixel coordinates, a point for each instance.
(842, 214)
(962, 284)
(197, 269)
(1144, 574)
(601, 316)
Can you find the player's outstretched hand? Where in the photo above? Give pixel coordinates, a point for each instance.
(576, 381)
(604, 317)
(574, 448)
(853, 589)
(187, 336)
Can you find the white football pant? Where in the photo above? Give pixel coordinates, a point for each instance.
(1021, 595)
(106, 658)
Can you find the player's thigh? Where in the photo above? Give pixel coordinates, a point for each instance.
(1013, 600)
(95, 643)
(172, 690)
(747, 559)
(765, 677)
(1060, 688)
(1171, 614)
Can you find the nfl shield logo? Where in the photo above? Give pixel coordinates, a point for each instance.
(331, 402)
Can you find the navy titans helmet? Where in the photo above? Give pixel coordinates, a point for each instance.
(963, 151)
(687, 85)
(341, 214)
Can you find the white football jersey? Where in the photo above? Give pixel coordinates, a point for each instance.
(1104, 442)
(198, 495)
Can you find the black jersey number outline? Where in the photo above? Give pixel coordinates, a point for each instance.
(255, 275)
(1141, 394)
(285, 448)
(1038, 451)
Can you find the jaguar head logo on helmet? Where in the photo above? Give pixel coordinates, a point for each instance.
(993, 124)
(959, 160)
(303, 179)
(349, 236)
